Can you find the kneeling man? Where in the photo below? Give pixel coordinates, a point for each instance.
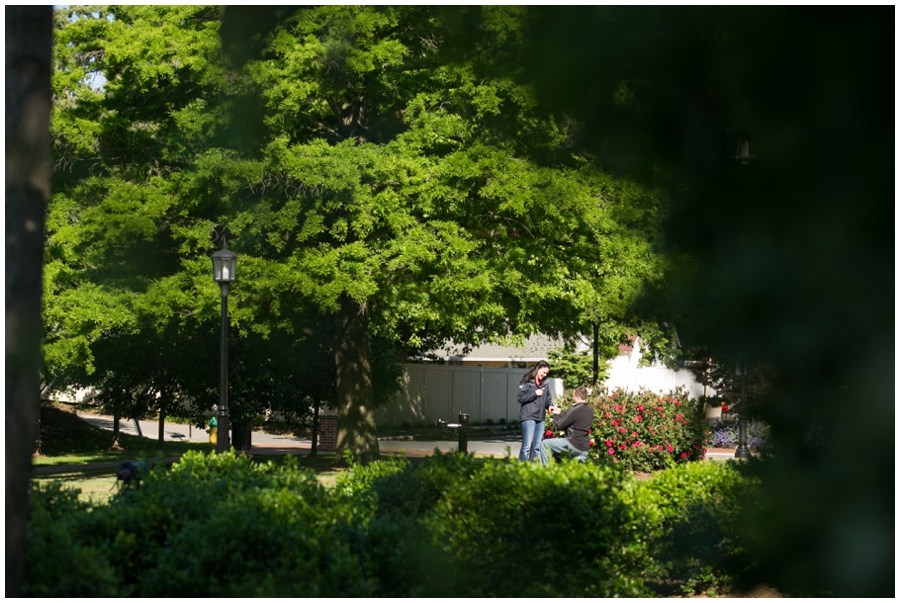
(577, 422)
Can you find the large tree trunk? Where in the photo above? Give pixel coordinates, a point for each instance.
(28, 51)
(355, 398)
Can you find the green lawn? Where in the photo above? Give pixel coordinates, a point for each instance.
(67, 440)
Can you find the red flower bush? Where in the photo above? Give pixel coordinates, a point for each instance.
(675, 430)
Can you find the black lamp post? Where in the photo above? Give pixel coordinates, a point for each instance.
(743, 450)
(224, 271)
(742, 156)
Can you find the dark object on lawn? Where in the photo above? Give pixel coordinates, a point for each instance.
(131, 473)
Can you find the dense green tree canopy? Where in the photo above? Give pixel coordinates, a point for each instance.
(376, 178)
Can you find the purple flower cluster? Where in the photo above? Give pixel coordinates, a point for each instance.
(726, 434)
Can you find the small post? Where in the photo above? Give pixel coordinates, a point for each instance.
(463, 433)
(314, 451)
(743, 450)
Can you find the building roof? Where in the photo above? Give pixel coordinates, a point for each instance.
(536, 347)
(633, 340)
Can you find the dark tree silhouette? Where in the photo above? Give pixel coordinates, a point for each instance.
(29, 32)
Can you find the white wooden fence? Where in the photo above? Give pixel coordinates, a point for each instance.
(431, 392)
(625, 374)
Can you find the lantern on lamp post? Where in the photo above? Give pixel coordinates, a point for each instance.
(224, 272)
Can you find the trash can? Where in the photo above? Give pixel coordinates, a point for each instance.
(213, 431)
(240, 435)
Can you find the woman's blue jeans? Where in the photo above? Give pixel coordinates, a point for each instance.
(532, 433)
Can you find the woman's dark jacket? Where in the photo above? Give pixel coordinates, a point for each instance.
(532, 406)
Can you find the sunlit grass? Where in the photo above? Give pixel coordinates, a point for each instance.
(97, 486)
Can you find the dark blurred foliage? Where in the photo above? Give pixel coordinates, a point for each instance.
(722, 373)
(787, 254)
(246, 31)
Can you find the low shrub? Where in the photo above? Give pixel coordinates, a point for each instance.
(58, 563)
(516, 530)
(213, 525)
(691, 520)
(450, 525)
(497, 527)
(403, 552)
(401, 489)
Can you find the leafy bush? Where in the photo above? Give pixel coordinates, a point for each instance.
(450, 525)
(517, 531)
(644, 431)
(404, 553)
(691, 519)
(473, 521)
(222, 525)
(57, 563)
(577, 368)
(399, 488)
(215, 525)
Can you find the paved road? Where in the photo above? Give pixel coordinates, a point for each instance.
(184, 433)
(501, 444)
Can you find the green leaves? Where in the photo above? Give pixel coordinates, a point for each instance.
(450, 525)
(366, 155)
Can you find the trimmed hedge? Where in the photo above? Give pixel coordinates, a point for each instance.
(693, 524)
(497, 527)
(451, 525)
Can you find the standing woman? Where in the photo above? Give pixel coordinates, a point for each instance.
(534, 401)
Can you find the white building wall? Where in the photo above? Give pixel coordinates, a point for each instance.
(625, 374)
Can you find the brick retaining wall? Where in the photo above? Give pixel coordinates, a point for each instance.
(328, 433)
